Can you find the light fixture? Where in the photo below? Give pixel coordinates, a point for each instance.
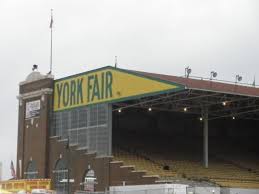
(185, 109)
(238, 78)
(119, 110)
(201, 118)
(187, 72)
(149, 109)
(42, 98)
(224, 103)
(34, 67)
(213, 74)
(233, 118)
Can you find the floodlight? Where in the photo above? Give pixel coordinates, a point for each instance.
(238, 78)
(149, 109)
(185, 109)
(119, 110)
(224, 103)
(34, 67)
(213, 74)
(233, 118)
(201, 118)
(187, 71)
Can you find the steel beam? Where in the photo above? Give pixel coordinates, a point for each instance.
(205, 137)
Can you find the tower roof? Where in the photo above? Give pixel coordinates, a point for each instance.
(34, 76)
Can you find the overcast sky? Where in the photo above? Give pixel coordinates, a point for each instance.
(162, 36)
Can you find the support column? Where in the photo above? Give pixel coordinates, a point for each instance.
(205, 137)
(110, 129)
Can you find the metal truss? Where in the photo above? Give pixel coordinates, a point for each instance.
(220, 105)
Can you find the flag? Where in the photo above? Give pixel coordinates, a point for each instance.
(12, 170)
(254, 82)
(51, 21)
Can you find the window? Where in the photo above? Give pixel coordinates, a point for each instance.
(89, 181)
(86, 127)
(60, 173)
(31, 171)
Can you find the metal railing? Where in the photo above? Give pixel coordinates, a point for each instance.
(140, 191)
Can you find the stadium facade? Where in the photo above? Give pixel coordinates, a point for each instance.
(86, 127)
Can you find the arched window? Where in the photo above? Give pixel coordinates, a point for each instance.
(31, 171)
(89, 181)
(60, 174)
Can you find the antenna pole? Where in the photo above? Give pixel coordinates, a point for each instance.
(115, 61)
(254, 81)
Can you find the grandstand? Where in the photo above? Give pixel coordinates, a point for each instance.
(169, 144)
(124, 127)
(221, 173)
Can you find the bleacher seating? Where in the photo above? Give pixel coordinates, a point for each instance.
(142, 164)
(180, 161)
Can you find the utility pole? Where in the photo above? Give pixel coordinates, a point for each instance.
(205, 116)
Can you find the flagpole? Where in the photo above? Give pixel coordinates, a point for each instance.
(51, 23)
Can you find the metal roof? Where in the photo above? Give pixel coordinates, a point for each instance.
(207, 85)
(240, 101)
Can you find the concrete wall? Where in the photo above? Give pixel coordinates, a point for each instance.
(239, 191)
(204, 190)
(149, 189)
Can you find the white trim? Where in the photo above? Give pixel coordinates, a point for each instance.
(36, 117)
(43, 77)
(82, 148)
(104, 156)
(32, 172)
(54, 137)
(224, 92)
(35, 93)
(60, 171)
